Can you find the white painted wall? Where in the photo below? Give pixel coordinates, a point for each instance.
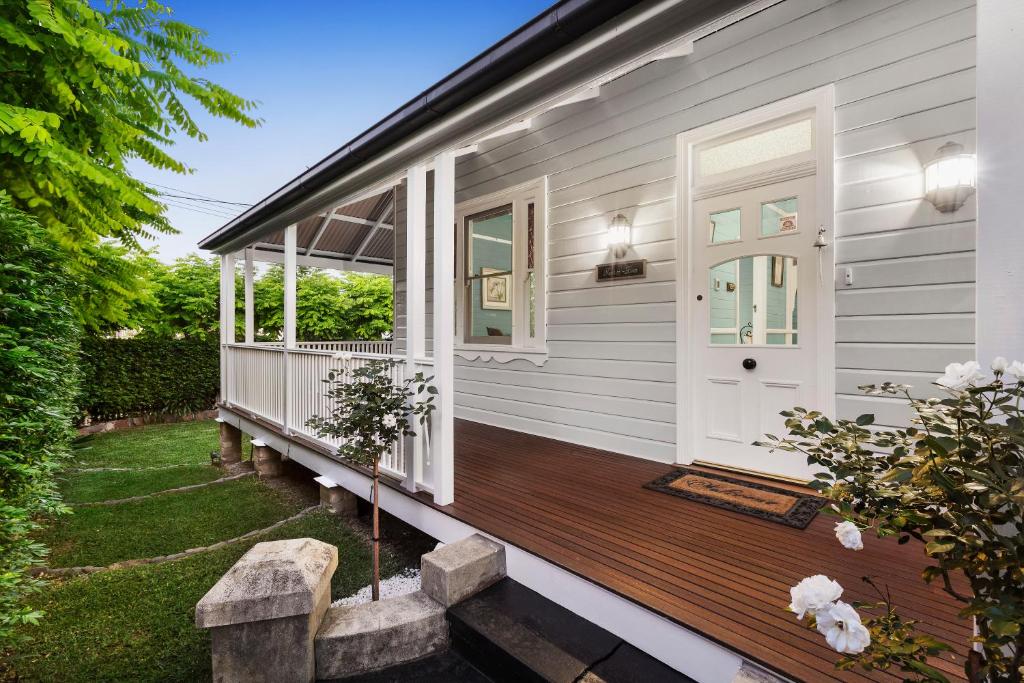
(1000, 179)
(904, 83)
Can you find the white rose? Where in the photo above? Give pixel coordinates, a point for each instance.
(813, 593)
(840, 624)
(1017, 370)
(344, 356)
(1000, 365)
(848, 534)
(390, 421)
(959, 376)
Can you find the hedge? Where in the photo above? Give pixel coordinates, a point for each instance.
(38, 377)
(145, 375)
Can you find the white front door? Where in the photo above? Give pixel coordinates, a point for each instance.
(756, 296)
(754, 308)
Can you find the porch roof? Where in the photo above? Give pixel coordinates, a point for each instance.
(358, 232)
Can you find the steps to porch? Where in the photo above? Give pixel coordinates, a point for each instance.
(514, 634)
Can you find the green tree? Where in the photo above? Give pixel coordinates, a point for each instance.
(38, 354)
(268, 304)
(188, 300)
(319, 304)
(368, 306)
(121, 291)
(84, 91)
(327, 307)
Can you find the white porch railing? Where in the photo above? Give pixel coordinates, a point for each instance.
(382, 347)
(286, 387)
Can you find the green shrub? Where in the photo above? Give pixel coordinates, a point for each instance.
(38, 345)
(123, 377)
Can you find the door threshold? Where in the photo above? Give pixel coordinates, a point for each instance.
(751, 473)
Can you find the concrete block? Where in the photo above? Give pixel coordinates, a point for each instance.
(376, 635)
(339, 501)
(458, 570)
(264, 612)
(230, 443)
(266, 460)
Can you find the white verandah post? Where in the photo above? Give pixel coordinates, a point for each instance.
(443, 433)
(250, 317)
(290, 258)
(415, 300)
(227, 319)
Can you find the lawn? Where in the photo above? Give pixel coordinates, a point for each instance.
(138, 624)
(183, 443)
(165, 524)
(93, 486)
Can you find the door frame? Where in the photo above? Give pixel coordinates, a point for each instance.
(822, 101)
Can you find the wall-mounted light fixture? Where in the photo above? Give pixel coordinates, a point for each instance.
(618, 235)
(950, 178)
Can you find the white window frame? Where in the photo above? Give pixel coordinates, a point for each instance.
(522, 345)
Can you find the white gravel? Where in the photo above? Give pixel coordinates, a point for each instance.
(407, 581)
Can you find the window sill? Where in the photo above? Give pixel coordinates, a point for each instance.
(502, 353)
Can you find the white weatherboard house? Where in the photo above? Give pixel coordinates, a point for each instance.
(660, 224)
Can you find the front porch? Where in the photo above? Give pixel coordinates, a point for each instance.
(719, 574)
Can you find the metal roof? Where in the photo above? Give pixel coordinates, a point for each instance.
(561, 24)
(357, 232)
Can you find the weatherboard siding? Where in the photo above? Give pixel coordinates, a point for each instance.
(904, 84)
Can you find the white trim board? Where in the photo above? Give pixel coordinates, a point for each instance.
(678, 647)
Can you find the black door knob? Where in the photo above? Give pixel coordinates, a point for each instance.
(749, 363)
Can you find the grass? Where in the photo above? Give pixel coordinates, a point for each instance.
(90, 487)
(182, 443)
(138, 624)
(103, 535)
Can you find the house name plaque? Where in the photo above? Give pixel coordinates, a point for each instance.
(622, 270)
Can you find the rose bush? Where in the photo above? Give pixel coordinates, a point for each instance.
(953, 481)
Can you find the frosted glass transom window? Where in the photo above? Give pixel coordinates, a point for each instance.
(758, 148)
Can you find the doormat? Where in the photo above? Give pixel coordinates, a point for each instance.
(750, 498)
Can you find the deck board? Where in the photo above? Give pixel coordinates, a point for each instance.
(717, 572)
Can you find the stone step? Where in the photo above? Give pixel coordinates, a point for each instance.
(458, 570)
(511, 633)
(375, 635)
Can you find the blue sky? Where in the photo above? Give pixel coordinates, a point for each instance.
(323, 72)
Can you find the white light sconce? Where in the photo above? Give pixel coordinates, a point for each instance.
(950, 178)
(618, 235)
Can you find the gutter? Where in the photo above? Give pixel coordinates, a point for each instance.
(545, 34)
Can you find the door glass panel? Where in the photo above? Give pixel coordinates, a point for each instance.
(754, 301)
(758, 148)
(778, 217)
(489, 276)
(724, 226)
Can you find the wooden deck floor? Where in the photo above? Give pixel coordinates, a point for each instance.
(720, 573)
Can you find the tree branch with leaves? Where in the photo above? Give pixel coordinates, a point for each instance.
(84, 92)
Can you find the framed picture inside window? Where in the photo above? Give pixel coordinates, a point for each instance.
(496, 294)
